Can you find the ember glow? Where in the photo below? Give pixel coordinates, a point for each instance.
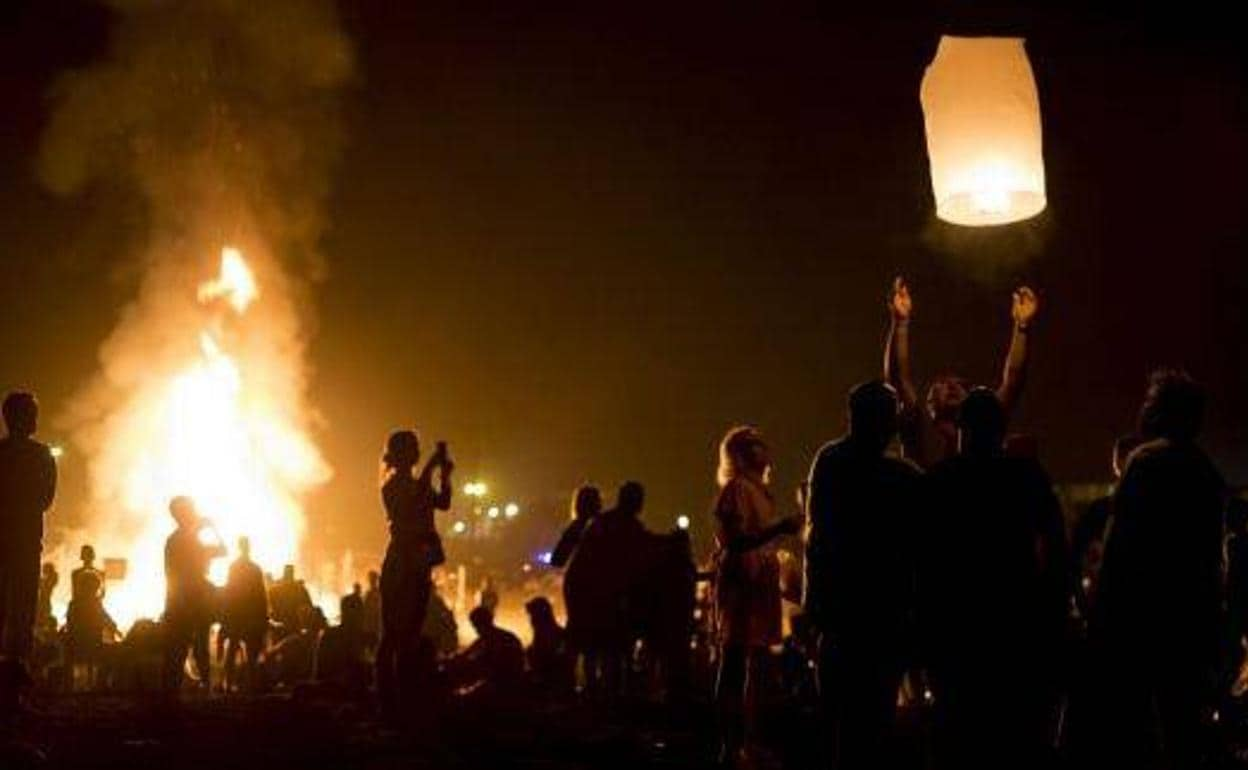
(216, 429)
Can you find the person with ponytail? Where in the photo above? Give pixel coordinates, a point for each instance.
(414, 550)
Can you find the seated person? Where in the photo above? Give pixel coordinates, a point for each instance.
(341, 654)
(492, 668)
(550, 660)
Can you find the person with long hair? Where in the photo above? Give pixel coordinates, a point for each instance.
(747, 584)
(414, 550)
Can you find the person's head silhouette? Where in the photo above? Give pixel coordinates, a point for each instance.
(587, 502)
(182, 508)
(402, 451)
(945, 396)
(374, 579)
(631, 498)
(21, 413)
(981, 423)
(541, 614)
(1174, 407)
(873, 414)
(87, 554)
(743, 453)
(244, 548)
(288, 573)
(482, 620)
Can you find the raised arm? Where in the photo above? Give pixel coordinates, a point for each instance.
(897, 346)
(443, 500)
(1024, 307)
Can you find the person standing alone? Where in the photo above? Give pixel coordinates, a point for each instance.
(27, 487)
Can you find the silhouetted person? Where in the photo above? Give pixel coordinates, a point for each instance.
(747, 584)
(245, 616)
(1087, 539)
(929, 431)
(490, 672)
(341, 654)
(586, 505)
(601, 577)
(440, 626)
(581, 582)
(859, 588)
(1157, 621)
(87, 622)
(995, 590)
(290, 601)
(188, 594)
(27, 486)
(45, 619)
(414, 550)
(550, 659)
(372, 608)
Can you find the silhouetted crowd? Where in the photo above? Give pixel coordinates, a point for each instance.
(945, 601)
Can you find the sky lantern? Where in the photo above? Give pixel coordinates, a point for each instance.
(982, 115)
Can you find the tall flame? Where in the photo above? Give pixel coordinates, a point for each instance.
(213, 431)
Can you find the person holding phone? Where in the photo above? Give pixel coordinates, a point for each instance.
(189, 595)
(414, 550)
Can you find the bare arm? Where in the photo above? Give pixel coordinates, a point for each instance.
(897, 346)
(443, 501)
(47, 484)
(1025, 306)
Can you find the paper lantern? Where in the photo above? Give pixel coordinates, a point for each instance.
(982, 115)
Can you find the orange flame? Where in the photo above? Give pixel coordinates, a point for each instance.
(214, 431)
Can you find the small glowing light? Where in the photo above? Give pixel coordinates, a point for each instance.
(682, 521)
(511, 511)
(57, 451)
(927, 695)
(493, 512)
(544, 557)
(475, 489)
(459, 527)
(526, 567)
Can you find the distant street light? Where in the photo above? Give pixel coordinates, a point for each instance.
(682, 521)
(475, 489)
(511, 511)
(459, 527)
(493, 512)
(56, 451)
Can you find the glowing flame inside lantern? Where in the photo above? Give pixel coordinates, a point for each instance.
(981, 112)
(214, 431)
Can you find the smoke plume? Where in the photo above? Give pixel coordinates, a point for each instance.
(223, 116)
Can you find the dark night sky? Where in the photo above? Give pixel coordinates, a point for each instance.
(581, 244)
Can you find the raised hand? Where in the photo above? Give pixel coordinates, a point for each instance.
(1025, 306)
(899, 303)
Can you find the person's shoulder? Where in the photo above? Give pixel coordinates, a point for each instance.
(1151, 452)
(833, 448)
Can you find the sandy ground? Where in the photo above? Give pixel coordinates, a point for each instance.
(275, 732)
